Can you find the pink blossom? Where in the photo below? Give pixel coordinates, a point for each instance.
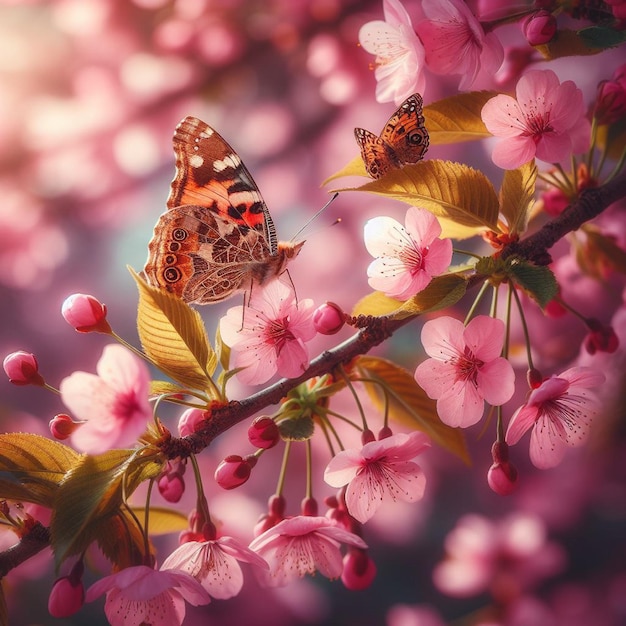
(275, 328)
(399, 54)
(466, 368)
(214, 564)
(303, 545)
(559, 413)
(140, 595)
(546, 121)
(455, 41)
(503, 557)
(378, 473)
(407, 257)
(113, 404)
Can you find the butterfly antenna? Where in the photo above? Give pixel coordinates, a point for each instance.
(315, 216)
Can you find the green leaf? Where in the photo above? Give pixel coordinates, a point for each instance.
(174, 337)
(567, 43)
(119, 537)
(441, 292)
(463, 198)
(517, 196)
(93, 489)
(408, 403)
(31, 467)
(602, 37)
(537, 281)
(457, 119)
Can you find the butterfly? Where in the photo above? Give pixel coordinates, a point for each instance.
(217, 237)
(404, 139)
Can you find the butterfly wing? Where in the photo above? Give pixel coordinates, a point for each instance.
(210, 174)
(202, 257)
(378, 156)
(405, 132)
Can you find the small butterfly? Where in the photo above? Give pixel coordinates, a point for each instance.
(403, 140)
(217, 237)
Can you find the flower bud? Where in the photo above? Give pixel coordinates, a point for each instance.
(328, 318)
(62, 426)
(85, 314)
(309, 507)
(171, 483)
(502, 475)
(359, 570)
(67, 595)
(234, 471)
(600, 338)
(534, 378)
(539, 28)
(263, 433)
(191, 421)
(22, 369)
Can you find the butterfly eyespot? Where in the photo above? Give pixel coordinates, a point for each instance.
(174, 246)
(416, 139)
(170, 259)
(172, 275)
(179, 234)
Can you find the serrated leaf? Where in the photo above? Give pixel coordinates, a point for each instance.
(452, 191)
(457, 119)
(31, 467)
(537, 281)
(356, 167)
(119, 537)
(408, 403)
(174, 337)
(517, 196)
(441, 292)
(93, 489)
(165, 387)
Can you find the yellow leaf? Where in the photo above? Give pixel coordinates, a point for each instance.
(376, 304)
(356, 167)
(453, 191)
(174, 337)
(567, 43)
(517, 196)
(457, 119)
(408, 403)
(162, 520)
(31, 467)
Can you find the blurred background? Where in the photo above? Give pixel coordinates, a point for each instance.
(90, 94)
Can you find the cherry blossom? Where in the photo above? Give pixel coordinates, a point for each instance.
(399, 54)
(559, 412)
(466, 368)
(141, 595)
(275, 328)
(407, 257)
(113, 404)
(303, 545)
(379, 473)
(546, 121)
(455, 41)
(214, 564)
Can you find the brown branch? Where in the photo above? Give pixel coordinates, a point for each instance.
(33, 541)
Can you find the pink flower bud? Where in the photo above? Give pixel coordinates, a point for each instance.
(62, 426)
(539, 28)
(601, 338)
(502, 476)
(359, 570)
(534, 378)
(328, 319)
(191, 421)
(234, 471)
(263, 433)
(85, 314)
(67, 595)
(22, 369)
(610, 101)
(171, 483)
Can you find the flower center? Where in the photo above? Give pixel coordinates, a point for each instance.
(467, 366)
(413, 258)
(278, 333)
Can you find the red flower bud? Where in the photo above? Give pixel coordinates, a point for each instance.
(234, 471)
(367, 436)
(534, 378)
(539, 28)
(22, 369)
(309, 507)
(67, 595)
(359, 570)
(171, 483)
(502, 475)
(328, 318)
(190, 421)
(85, 314)
(263, 433)
(62, 426)
(601, 338)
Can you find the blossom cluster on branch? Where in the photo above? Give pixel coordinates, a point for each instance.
(469, 277)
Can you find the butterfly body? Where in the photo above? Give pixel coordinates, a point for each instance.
(217, 237)
(403, 140)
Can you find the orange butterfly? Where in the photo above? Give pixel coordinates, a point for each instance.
(217, 237)
(404, 139)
